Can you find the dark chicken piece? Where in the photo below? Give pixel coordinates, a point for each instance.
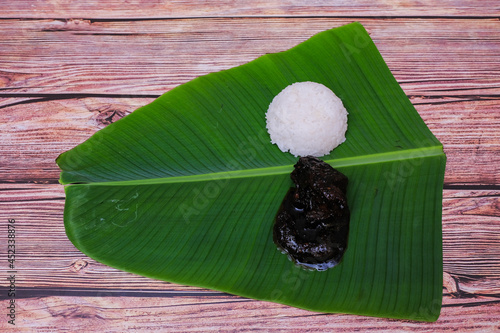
(312, 223)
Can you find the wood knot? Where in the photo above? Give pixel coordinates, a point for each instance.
(107, 117)
(78, 265)
(65, 25)
(450, 283)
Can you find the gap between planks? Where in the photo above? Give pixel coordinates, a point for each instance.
(42, 130)
(48, 262)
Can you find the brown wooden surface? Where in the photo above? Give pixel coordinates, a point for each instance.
(67, 70)
(132, 9)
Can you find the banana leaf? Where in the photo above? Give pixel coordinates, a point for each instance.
(186, 189)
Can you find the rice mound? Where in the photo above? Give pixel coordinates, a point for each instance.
(306, 118)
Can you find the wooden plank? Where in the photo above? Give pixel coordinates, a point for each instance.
(431, 58)
(195, 314)
(471, 234)
(133, 9)
(39, 131)
(469, 132)
(47, 260)
(80, 65)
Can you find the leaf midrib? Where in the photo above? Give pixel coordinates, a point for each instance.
(279, 170)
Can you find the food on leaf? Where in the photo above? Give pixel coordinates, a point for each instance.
(312, 224)
(307, 118)
(186, 189)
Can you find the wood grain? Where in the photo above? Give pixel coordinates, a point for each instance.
(60, 288)
(225, 314)
(69, 68)
(460, 90)
(47, 259)
(147, 58)
(133, 9)
(40, 130)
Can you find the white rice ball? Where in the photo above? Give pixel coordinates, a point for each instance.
(307, 118)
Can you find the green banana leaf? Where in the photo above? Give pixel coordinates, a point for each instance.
(186, 188)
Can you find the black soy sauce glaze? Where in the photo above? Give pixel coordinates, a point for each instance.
(312, 223)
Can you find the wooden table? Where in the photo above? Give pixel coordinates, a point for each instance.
(67, 70)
